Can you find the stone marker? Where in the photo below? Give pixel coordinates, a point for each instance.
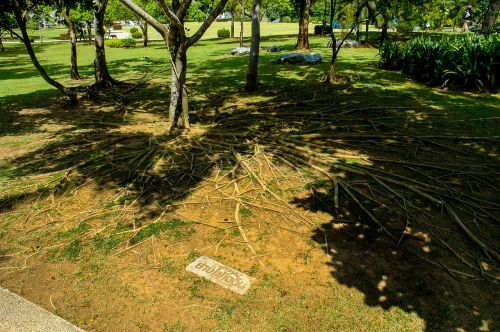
(240, 51)
(220, 274)
(299, 58)
(273, 48)
(347, 43)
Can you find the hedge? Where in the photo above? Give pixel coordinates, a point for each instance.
(223, 33)
(137, 35)
(120, 43)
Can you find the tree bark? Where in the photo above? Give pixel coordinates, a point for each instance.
(232, 25)
(177, 44)
(178, 109)
(490, 17)
(21, 22)
(367, 28)
(101, 73)
(331, 73)
(144, 29)
(2, 48)
(253, 59)
(89, 32)
(72, 37)
(303, 37)
(383, 35)
(241, 21)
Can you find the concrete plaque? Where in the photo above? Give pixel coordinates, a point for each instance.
(220, 274)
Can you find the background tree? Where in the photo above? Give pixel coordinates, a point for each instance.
(83, 14)
(9, 22)
(303, 36)
(174, 35)
(349, 18)
(65, 12)
(16, 11)
(242, 18)
(232, 7)
(276, 9)
(490, 16)
(66, 8)
(253, 59)
(101, 73)
(116, 11)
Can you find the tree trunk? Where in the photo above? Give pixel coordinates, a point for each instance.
(331, 73)
(367, 28)
(241, 21)
(357, 32)
(2, 48)
(253, 59)
(144, 29)
(89, 32)
(72, 37)
(232, 26)
(101, 73)
(27, 43)
(383, 36)
(490, 17)
(303, 37)
(178, 110)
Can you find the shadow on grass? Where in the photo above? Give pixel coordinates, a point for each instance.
(393, 129)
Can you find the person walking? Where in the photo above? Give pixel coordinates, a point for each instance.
(467, 18)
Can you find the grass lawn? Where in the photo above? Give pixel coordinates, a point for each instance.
(101, 211)
(267, 29)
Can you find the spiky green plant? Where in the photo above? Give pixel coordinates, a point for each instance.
(472, 62)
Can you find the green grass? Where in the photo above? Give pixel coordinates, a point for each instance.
(82, 228)
(176, 229)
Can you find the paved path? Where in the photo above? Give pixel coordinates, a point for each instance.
(20, 315)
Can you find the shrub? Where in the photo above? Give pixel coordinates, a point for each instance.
(132, 30)
(286, 19)
(137, 35)
(472, 62)
(223, 33)
(120, 43)
(405, 27)
(322, 30)
(117, 26)
(64, 36)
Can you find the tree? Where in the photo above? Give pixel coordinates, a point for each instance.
(253, 59)
(17, 11)
(116, 11)
(275, 9)
(66, 8)
(242, 16)
(177, 42)
(72, 37)
(83, 14)
(303, 37)
(231, 7)
(9, 21)
(101, 73)
(490, 17)
(350, 21)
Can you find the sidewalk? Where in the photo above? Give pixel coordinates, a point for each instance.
(18, 314)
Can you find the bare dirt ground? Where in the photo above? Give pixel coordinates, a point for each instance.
(349, 215)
